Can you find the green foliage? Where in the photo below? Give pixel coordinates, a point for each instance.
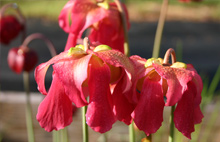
(48, 9)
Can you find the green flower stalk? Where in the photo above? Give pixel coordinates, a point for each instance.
(160, 26)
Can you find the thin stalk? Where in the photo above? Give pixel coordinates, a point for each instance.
(56, 136)
(171, 136)
(1, 137)
(160, 26)
(214, 84)
(179, 50)
(64, 135)
(84, 125)
(29, 123)
(131, 132)
(125, 28)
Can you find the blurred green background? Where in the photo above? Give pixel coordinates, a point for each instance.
(199, 11)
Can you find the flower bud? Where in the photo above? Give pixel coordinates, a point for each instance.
(9, 29)
(22, 59)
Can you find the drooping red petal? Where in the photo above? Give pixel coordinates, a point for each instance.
(84, 14)
(64, 16)
(138, 62)
(99, 114)
(198, 82)
(198, 115)
(148, 114)
(41, 70)
(72, 74)
(122, 107)
(186, 113)
(55, 111)
(118, 59)
(177, 79)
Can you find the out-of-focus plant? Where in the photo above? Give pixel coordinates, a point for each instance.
(101, 17)
(23, 59)
(10, 25)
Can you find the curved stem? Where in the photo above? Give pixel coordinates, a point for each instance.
(44, 38)
(29, 122)
(160, 26)
(124, 22)
(6, 6)
(170, 52)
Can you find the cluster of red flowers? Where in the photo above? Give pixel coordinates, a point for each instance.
(118, 87)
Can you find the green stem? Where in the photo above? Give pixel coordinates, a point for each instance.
(171, 136)
(125, 28)
(131, 132)
(29, 123)
(64, 134)
(84, 125)
(55, 136)
(160, 26)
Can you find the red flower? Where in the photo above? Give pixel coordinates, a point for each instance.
(9, 28)
(22, 59)
(78, 74)
(103, 19)
(167, 85)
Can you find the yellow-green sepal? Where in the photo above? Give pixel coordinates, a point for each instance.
(104, 4)
(75, 50)
(102, 48)
(153, 60)
(179, 65)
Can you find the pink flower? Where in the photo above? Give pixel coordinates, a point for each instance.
(103, 18)
(167, 85)
(9, 29)
(79, 73)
